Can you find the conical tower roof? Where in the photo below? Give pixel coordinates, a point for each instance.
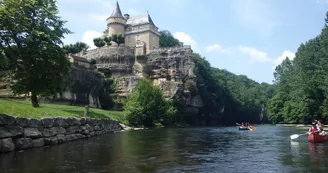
(117, 12)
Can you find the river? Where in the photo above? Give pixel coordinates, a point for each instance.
(213, 149)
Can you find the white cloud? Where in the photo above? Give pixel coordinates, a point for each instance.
(217, 48)
(186, 39)
(88, 37)
(256, 15)
(256, 55)
(278, 60)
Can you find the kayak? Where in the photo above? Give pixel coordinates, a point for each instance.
(245, 128)
(317, 138)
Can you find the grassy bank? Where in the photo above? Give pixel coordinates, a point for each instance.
(18, 108)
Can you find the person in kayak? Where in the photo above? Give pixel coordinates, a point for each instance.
(320, 127)
(313, 129)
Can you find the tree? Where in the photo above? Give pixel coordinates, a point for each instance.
(301, 84)
(75, 48)
(31, 33)
(166, 39)
(118, 39)
(147, 106)
(99, 42)
(3, 61)
(108, 40)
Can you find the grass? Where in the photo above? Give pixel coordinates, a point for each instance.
(24, 109)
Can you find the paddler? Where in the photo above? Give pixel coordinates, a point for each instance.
(313, 129)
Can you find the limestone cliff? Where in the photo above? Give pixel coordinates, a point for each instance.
(172, 69)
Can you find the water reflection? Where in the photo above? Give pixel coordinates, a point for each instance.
(225, 149)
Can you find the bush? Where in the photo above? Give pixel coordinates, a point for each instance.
(146, 106)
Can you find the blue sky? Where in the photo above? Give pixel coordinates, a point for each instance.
(248, 37)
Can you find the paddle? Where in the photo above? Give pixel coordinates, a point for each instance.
(298, 135)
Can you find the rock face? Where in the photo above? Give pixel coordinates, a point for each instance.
(85, 86)
(22, 133)
(171, 69)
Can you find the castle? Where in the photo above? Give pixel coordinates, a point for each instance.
(139, 31)
(140, 57)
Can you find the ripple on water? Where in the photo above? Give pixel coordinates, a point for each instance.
(223, 149)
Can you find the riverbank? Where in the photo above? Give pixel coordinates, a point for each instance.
(23, 127)
(24, 109)
(24, 133)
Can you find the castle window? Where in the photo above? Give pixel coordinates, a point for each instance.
(137, 37)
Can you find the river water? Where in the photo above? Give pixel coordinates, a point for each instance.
(215, 149)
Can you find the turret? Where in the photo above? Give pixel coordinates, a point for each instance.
(116, 22)
(126, 16)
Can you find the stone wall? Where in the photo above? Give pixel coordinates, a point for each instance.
(23, 133)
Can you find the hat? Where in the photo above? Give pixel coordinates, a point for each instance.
(314, 123)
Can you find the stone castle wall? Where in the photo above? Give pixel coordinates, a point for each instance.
(23, 133)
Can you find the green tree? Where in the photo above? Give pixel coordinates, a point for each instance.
(99, 42)
(31, 33)
(301, 84)
(118, 39)
(4, 62)
(147, 106)
(75, 48)
(108, 40)
(166, 39)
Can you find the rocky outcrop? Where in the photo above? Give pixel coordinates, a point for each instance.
(23, 133)
(172, 69)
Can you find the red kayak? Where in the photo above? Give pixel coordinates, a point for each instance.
(317, 138)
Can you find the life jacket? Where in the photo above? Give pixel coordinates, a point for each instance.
(313, 129)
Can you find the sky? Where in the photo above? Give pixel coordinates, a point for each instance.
(245, 37)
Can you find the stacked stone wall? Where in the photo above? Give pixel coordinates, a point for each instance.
(24, 133)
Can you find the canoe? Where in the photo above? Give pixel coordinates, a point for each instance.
(245, 128)
(317, 138)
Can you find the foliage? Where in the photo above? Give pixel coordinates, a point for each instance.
(118, 39)
(107, 93)
(23, 109)
(229, 98)
(31, 33)
(301, 84)
(93, 61)
(166, 39)
(108, 40)
(99, 42)
(147, 106)
(4, 62)
(75, 48)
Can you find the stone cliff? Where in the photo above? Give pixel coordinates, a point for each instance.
(172, 69)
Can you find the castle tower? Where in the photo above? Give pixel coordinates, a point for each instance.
(116, 22)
